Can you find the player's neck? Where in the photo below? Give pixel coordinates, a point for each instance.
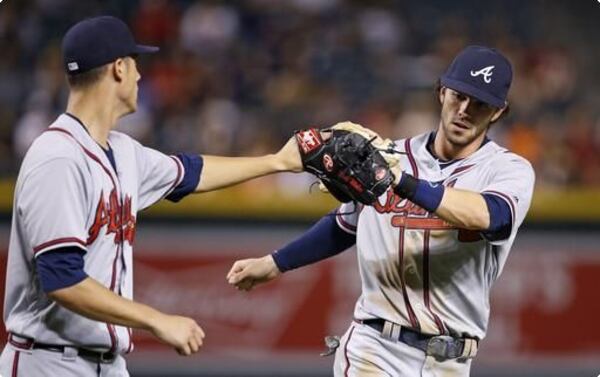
(97, 116)
(446, 151)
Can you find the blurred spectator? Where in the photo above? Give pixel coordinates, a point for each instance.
(419, 114)
(38, 115)
(525, 140)
(582, 142)
(239, 77)
(207, 27)
(156, 22)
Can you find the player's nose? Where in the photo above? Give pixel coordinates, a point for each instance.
(464, 105)
(465, 108)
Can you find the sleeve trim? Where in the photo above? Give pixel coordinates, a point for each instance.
(56, 243)
(180, 175)
(343, 224)
(507, 199)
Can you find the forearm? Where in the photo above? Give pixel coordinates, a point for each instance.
(323, 240)
(464, 209)
(461, 208)
(219, 172)
(92, 300)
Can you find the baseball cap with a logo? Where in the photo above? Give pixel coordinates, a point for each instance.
(96, 41)
(480, 72)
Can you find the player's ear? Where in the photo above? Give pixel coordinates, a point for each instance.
(498, 113)
(118, 69)
(442, 94)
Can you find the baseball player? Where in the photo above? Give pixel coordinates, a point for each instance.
(68, 307)
(431, 247)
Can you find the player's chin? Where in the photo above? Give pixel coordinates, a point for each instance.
(132, 107)
(460, 137)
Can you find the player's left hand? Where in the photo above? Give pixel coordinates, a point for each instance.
(245, 274)
(288, 157)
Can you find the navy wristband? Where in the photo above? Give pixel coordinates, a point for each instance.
(423, 193)
(407, 186)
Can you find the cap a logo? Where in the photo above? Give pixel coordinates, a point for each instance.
(485, 72)
(73, 66)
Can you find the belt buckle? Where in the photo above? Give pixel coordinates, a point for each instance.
(440, 347)
(106, 357)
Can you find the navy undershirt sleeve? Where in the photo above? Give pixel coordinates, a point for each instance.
(192, 164)
(500, 218)
(323, 240)
(60, 268)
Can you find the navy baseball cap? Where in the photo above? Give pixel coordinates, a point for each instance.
(480, 72)
(96, 41)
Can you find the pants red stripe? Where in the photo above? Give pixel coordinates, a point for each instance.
(346, 352)
(15, 364)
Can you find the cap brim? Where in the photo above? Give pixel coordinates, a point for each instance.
(472, 92)
(143, 49)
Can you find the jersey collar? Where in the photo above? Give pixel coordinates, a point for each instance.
(77, 129)
(446, 163)
(108, 152)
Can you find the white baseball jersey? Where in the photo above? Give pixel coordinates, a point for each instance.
(68, 194)
(421, 272)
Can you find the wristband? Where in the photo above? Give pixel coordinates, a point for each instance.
(423, 193)
(407, 187)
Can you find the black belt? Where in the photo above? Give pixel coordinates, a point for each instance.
(26, 343)
(442, 347)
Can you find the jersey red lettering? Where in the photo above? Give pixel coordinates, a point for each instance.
(100, 219)
(128, 221)
(119, 219)
(114, 215)
(410, 215)
(396, 204)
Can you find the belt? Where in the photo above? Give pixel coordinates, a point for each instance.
(441, 347)
(26, 343)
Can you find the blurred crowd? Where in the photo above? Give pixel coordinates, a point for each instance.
(237, 77)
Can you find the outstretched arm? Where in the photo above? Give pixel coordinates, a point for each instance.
(219, 172)
(325, 239)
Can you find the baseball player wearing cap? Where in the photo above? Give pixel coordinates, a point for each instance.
(431, 247)
(68, 306)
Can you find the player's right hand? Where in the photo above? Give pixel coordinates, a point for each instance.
(245, 274)
(288, 157)
(182, 333)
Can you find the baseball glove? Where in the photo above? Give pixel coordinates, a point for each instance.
(351, 164)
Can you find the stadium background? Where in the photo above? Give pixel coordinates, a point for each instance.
(237, 77)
